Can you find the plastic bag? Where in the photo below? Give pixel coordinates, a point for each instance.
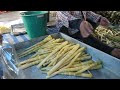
(9, 68)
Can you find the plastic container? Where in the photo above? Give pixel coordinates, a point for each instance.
(35, 23)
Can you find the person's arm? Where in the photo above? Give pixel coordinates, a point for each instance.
(98, 19)
(93, 16)
(65, 17)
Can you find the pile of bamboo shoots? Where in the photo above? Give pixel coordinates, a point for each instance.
(58, 56)
(108, 36)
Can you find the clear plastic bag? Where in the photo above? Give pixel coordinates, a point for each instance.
(9, 59)
(7, 62)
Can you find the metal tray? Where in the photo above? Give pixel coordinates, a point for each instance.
(110, 68)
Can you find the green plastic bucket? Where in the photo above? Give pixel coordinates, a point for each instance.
(35, 23)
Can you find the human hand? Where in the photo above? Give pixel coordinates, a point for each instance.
(86, 29)
(104, 21)
(116, 53)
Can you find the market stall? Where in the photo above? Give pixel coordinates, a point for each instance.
(59, 56)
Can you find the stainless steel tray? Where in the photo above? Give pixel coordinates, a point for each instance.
(110, 68)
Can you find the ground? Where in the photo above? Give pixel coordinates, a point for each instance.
(10, 16)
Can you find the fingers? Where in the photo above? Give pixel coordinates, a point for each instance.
(104, 21)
